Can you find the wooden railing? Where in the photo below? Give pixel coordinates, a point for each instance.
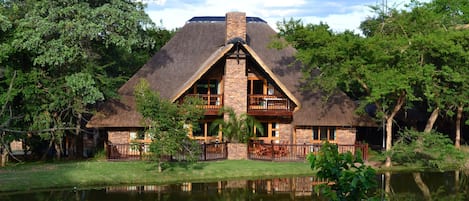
(296, 152)
(133, 151)
(266, 102)
(141, 151)
(219, 151)
(211, 102)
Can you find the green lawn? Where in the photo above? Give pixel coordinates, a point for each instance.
(30, 176)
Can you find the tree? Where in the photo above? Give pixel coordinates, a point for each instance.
(348, 178)
(376, 70)
(239, 128)
(168, 123)
(53, 45)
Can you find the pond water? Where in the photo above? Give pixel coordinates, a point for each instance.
(400, 186)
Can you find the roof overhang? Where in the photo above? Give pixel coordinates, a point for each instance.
(203, 68)
(219, 54)
(272, 75)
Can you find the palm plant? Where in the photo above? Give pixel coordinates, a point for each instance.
(237, 128)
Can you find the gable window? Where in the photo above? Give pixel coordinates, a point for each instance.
(209, 90)
(323, 134)
(210, 86)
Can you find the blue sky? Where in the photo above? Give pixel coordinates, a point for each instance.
(338, 14)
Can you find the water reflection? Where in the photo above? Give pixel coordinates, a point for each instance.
(402, 186)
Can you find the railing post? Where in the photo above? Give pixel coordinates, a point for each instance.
(304, 149)
(204, 145)
(140, 151)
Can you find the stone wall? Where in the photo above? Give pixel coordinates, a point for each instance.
(235, 85)
(285, 131)
(343, 136)
(346, 136)
(119, 137)
(303, 135)
(237, 151)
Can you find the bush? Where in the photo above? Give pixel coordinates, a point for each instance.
(348, 177)
(429, 150)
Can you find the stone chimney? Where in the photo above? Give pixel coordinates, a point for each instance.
(235, 79)
(235, 25)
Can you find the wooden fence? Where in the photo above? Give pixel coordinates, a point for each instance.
(141, 151)
(219, 151)
(296, 152)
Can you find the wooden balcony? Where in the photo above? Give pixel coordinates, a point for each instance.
(211, 103)
(268, 105)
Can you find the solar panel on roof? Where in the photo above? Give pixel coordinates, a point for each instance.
(222, 19)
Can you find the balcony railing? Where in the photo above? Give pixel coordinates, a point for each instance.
(267, 103)
(211, 102)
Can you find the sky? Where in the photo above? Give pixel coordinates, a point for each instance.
(340, 15)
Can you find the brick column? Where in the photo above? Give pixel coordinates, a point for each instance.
(235, 80)
(235, 25)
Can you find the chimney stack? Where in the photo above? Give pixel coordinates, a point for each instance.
(235, 79)
(235, 25)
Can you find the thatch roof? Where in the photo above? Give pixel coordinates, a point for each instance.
(195, 47)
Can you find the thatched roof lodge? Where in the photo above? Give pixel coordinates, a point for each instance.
(228, 62)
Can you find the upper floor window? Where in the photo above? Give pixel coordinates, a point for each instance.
(211, 86)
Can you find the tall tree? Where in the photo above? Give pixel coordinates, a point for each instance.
(68, 55)
(376, 70)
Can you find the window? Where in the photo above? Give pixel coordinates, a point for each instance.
(265, 128)
(211, 86)
(255, 86)
(203, 132)
(322, 134)
(199, 132)
(271, 132)
(139, 136)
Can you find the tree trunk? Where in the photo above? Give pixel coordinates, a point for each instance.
(51, 143)
(389, 122)
(58, 150)
(456, 180)
(457, 140)
(387, 183)
(422, 186)
(3, 160)
(74, 140)
(431, 120)
(160, 169)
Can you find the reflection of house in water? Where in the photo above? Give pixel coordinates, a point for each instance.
(297, 186)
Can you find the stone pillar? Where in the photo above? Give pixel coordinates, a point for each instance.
(235, 80)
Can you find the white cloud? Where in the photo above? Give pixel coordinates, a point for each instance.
(157, 2)
(175, 13)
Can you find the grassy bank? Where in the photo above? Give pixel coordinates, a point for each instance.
(30, 176)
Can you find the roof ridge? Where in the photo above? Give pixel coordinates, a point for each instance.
(212, 19)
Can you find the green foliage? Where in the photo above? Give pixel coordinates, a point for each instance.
(68, 55)
(347, 175)
(429, 150)
(239, 128)
(83, 86)
(166, 122)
